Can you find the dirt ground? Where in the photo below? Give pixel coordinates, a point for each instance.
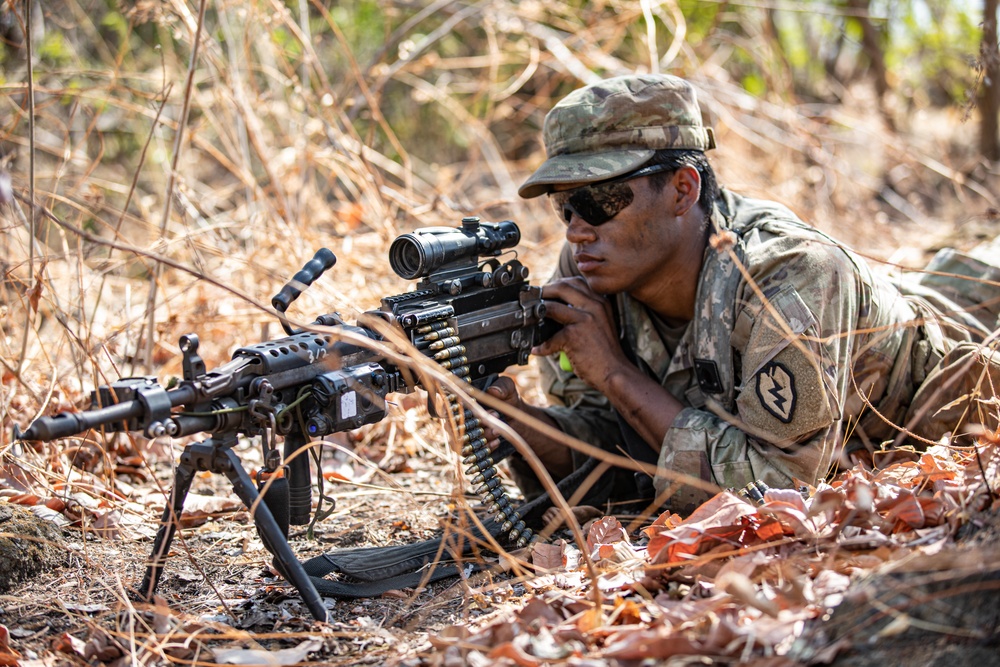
(220, 601)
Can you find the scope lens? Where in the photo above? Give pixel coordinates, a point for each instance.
(406, 257)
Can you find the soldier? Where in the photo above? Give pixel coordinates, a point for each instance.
(720, 336)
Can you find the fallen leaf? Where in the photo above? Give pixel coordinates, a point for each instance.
(740, 587)
(607, 530)
(15, 477)
(27, 499)
(198, 509)
(67, 643)
(8, 656)
(108, 525)
(538, 611)
(35, 294)
(653, 643)
(515, 654)
(550, 557)
(253, 656)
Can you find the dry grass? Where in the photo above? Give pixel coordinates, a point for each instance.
(176, 189)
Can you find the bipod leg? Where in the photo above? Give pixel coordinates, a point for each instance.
(272, 536)
(183, 476)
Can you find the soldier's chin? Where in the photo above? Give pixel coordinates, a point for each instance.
(602, 286)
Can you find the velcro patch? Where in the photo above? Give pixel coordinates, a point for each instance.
(776, 391)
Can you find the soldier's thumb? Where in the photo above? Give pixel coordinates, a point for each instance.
(503, 388)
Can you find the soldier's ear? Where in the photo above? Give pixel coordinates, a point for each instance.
(686, 189)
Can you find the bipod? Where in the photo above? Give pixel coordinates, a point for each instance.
(216, 455)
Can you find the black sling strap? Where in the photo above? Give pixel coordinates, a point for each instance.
(371, 571)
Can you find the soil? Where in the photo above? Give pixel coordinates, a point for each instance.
(29, 545)
(937, 611)
(218, 592)
(219, 579)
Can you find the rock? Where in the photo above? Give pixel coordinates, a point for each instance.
(38, 546)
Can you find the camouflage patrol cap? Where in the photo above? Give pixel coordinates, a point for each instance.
(613, 127)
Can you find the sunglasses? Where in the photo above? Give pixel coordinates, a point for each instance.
(597, 203)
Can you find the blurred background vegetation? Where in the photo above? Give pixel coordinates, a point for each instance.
(186, 156)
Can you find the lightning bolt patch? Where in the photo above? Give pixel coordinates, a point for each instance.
(776, 391)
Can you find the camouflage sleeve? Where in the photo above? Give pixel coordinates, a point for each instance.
(795, 325)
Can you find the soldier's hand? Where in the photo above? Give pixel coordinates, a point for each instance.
(588, 337)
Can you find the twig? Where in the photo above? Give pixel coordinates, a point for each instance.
(28, 320)
(178, 142)
(128, 198)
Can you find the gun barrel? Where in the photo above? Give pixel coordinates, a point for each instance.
(66, 424)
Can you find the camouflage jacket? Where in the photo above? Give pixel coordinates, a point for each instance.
(796, 350)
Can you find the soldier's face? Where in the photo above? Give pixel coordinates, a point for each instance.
(635, 251)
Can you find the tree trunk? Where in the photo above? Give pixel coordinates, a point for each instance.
(989, 92)
(871, 44)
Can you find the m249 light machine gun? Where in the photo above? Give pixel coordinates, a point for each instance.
(471, 312)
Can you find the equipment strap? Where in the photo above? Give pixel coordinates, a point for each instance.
(371, 571)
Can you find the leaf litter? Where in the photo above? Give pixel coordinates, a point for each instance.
(731, 582)
(738, 583)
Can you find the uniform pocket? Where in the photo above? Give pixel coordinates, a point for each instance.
(733, 474)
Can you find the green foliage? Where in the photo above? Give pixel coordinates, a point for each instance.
(933, 47)
(54, 50)
(364, 24)
(926, 44)
(115, 24)
(287, 42)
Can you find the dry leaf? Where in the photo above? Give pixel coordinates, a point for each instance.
(67, 643)
(514, 653)
(8, 656)
(538, 612)
(108, 525)
(607, 530)
(740, 587)
(35, 294)
(653, 643)
(550, 557)
(590, 620)
(198, 508)
(285, 656)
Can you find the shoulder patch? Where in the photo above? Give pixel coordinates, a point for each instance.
(776, 391)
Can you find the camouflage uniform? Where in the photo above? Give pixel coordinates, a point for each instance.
(797, 348)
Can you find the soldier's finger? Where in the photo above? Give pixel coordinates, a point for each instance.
(503, 388)
(564, 313)
(575, 293)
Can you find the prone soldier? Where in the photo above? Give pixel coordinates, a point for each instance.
(721, 337)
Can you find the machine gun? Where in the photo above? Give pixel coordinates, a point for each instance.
(473, 316)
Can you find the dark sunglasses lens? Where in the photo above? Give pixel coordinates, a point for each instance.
(589, 207)
(596, 204)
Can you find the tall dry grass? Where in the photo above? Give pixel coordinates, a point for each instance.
(175, 188)
(163, 185)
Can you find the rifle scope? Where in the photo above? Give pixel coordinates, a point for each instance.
(421, 253)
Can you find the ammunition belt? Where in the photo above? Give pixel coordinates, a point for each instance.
(441, 342)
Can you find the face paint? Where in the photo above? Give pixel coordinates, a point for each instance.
(598, 203)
